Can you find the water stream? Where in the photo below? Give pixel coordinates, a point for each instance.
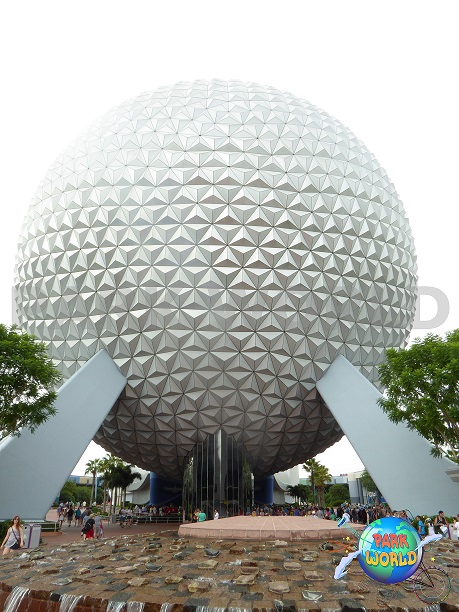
(135, 606)
(116, 606)
(68, 602)
(14, 599)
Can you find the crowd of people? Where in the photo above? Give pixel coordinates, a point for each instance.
(92, 527)
(90, 522)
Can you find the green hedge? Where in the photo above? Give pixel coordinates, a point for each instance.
(3, 529)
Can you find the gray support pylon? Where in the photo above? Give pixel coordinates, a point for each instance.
(34, 467)
(397, 458)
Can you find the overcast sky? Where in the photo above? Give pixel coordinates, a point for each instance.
(387, 70)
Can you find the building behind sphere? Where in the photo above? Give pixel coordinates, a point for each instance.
(224, 242)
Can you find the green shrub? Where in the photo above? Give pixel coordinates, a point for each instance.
(3, 529)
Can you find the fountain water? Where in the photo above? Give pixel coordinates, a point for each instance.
(135, 606)
(14, 599)
(166, 607)
(68, 602)
(116, 606)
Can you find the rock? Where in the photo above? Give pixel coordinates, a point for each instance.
(176, 547)
(199, 586)
(138, 581)
(310, 556)
(83, 570)
(245, 580)
(124, 569)
(292, 566)
(173, 579)
(277, 543)
(312, 595)
(351, 605)
(207, 565)
(249, 571)
(279, 587)
(249, 563)
(313, 576)
(211, 552)
(357, 587)
(180, 555)
(237, 550)
(152, 567)
(61, 581)
(155, 545)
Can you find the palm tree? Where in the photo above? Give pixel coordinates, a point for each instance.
(120, 477)
(128, 477)
(293, 491)
(311, 466)
(322, 476)
(107, 464)
(304, 493)
(93, 467)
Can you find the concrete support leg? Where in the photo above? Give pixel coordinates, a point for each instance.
(397, 458)
(34, 467)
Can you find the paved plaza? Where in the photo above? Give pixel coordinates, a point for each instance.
(156, 568)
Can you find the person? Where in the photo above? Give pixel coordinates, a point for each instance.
(216, 515)
(62, 516)
(88, 529)
(421, 527)
(202, 516)
(430, 528)
(70, 515)
(14, 537)
(98, 526)
(455, 528)
(440, 523)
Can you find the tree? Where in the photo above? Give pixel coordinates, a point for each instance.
(304, 493)
(369, 484)
(337, 494)
(422, 390)
(322, 476)
(93, 467)
(106, 466)
(121, 477)
(311, 466)
(69, 492)
(367, 481)
(74, 492)
(293, 491)
(27, 380)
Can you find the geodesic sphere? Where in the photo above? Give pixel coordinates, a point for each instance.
(224, 242)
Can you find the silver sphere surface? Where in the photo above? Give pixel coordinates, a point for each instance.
(224, 242)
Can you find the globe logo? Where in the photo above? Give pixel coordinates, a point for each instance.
(389, 550)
